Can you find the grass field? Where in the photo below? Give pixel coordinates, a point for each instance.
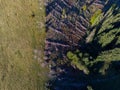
(21, 32)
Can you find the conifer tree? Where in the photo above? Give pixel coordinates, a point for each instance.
(102, 43)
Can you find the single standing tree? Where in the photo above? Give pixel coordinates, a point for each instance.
(102, 42)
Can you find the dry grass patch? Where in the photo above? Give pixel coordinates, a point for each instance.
(20, 34)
